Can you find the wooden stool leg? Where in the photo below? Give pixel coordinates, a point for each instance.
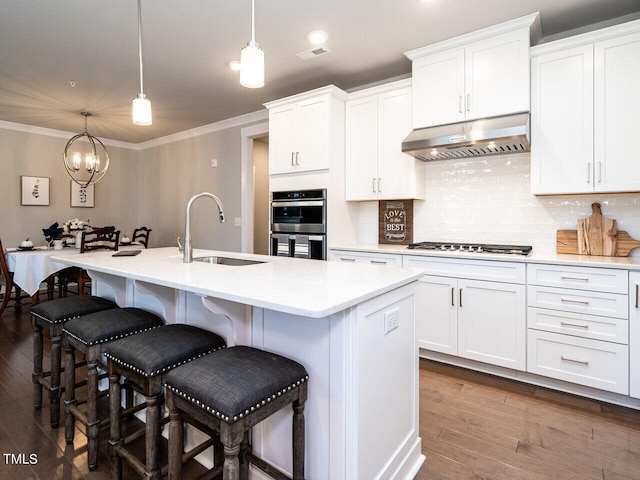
(37, 366)
(245, 448)
(69, 392)
(231, 437)
(152, 436)
(55, 391)
(115, 434)
(299, 434)
(93, 423)
(176, 438)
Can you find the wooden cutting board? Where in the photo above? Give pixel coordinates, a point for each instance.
(596, 235)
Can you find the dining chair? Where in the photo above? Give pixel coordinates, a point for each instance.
(141, 235)
(106, 238)
(12, 292)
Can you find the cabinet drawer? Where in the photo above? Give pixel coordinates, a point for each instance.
(579, 278)
(498, 271)
(579, 325)
(577, 301)
(587, 362)
(372, 258)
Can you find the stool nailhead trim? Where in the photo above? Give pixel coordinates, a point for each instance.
(114, 337)
(162, 370)
(242, 414)
(62, 320)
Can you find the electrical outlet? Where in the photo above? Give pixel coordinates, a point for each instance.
(237, 221)
(391, 319)
(214, 163)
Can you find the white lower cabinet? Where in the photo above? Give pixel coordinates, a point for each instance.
(578, 325)
(475, 319)
(634, 334)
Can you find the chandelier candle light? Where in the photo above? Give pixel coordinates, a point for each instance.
(85, 167)
(141, 104)
(252, 59)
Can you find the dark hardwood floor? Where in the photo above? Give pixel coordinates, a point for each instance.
(473, 426)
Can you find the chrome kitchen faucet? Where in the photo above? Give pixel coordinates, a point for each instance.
(188, 251)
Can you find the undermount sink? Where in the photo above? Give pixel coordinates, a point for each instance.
(234, 262)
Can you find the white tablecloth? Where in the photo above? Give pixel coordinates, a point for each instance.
(33, 267)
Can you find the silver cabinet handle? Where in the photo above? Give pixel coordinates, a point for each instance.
(580, 279)
(468, 102)
(573, 360)
(379, 184)
(378, 262)
(292, 161)
(588, 172)
(373, 185)
(637, 295)
(575, 325)
(599, 172)
(345, 259)
(579, 302)
(453, 304)
(297, 158)
(460, 104)
(460, 298)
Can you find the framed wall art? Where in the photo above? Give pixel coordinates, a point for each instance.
(35, 190)
(82, 196)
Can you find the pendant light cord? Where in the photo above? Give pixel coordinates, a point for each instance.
(140, 45)
(253, 22)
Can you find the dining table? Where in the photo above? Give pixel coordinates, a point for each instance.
(31, 267)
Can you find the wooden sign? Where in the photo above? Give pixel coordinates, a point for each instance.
(395, 222)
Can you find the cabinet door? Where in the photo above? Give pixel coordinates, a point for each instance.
(562, 122)
(497, 75)
(313, 124)
(634, 334)
(617, 101)
(282, 145)
(437, 318)
(438, 89)
(362, 149)
(492, 323)
(396, 169)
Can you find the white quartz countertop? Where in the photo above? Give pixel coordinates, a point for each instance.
(627, 263)
(309, 288)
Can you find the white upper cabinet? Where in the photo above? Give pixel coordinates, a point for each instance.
(304, 128)
(377, 121)
(478, 75)
(584, 92)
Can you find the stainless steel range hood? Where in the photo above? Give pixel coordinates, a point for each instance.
(475, 138)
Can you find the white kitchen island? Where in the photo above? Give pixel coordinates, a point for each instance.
(352, 326)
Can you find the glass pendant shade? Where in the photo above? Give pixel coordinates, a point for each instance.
(142, 110)
(252, 66)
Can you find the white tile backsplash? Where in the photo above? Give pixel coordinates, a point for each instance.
(488, 200)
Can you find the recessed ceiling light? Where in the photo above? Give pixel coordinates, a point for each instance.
(317, 37)
(234, 65)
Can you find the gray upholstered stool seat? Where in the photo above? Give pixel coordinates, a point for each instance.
(230, 392)
(89, 334)
(144, 359)
(51, 316)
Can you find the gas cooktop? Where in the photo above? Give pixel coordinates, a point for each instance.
(473, 247)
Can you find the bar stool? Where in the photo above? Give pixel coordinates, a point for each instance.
(90, 334)
(51, 316)
(230, 392)
(144, 359)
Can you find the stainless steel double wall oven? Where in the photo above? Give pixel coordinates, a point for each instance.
(299, 224)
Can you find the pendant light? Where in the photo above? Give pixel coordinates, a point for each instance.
(141, 104)
(84, 166)
(252, 59)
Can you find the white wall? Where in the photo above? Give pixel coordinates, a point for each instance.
(488, 200)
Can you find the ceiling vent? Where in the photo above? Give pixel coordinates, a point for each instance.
(313, 53)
